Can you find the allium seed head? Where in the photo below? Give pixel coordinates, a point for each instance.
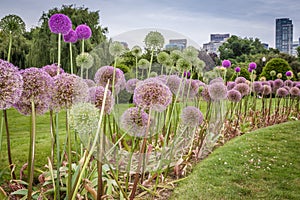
(191, 116)
(217, 91)
(234, 95)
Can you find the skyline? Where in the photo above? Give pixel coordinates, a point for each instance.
(193, 19)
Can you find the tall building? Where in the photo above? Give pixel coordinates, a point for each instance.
(284, 35)
(179, 44)
(216, 40)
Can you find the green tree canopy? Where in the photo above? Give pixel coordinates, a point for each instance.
(279, 65)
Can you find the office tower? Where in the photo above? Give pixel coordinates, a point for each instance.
(284, 35)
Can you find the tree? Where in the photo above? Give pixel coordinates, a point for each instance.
(279, 65)
(44, 46)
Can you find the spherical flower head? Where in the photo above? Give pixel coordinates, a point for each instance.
(234, 96)
(272, 73)
(136, 51)
(38, 87)
(152, 95)
(271, 83)
(191, 116)
(288, 83)
(205, 94)
(295, 91)
(134, 121)
(279, 75)
(143, 64)
(97, 98)
(175, 55)
(85, 60)
(11, 85)
(217, 91)
(105, 73)
(90, 83)
(183, 64)
(189, 88)
(116, 48)
(226, 63)
(83, 32)
(237, 69)
(173, 82)
(257, 87)
(252, 65)
(71, 89)
(70, 37)
(250, 70)
(60, 23)
(53, 69)
(216, 80)
(230, 85)
(289, 74)
(154, 40)
(282, 92)
(162, 57)
(190, 53)
(187, 74)
(262, 78)
(153, 74)
(84, 119)
(278, 83)
(243, 88)
(240, 80)
(131, 85)
(266, 90)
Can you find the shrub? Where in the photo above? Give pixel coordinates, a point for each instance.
(277, 64)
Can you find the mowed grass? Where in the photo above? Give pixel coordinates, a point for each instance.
(264, 164)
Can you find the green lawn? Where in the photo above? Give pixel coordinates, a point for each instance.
(264, 164)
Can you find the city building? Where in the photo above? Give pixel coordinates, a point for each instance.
(284, 35)
(179, 44)
(216, 40)
(296, 44)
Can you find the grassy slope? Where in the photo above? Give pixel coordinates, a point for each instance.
(264, 164)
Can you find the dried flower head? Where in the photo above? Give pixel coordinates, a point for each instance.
(272, 73)
(240, 80)
(53, 69)
(37, 88)
(152, 95)
(173, 82)
(282, 92)
(295, 91)
(11, 84)
(217, 91)
(134, 121)
(279, 75)
(234, 95)
(266, 90)
(243, 88)
(83, 32)
(71, 36)
(191, 116)
(85, 60)
(97, 97)
(60, 23)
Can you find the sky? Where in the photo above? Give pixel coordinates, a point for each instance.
(194, 19)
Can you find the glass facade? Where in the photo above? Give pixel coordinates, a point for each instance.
(284, 35)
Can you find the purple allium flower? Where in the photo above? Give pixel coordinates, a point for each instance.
(187, 74)
(295, 91)
(266, 90)
(205, 94)
(226, 63)
(286, 87)
(240, 80)
(237, 69)
(162, 78)
(131, 85)
(52, 69)
(134, 121)
(234, 95)
(243, 88)
(71, 89)
(297, 85)
(105, 73)
(271, 83)
(60, 23)
(257, 87)
(38, 88)
(230, 85)
(189, 88)
(278, 83)
(152, 95)
(288, 73)
(11, 84)
(191, 116)
(97, 97)
(83, 32)
(217, 91)
(90, 83)
(70, 37)
(288, 83)
(252, 66)
(282, 92)
(250, 70)
(173, 82)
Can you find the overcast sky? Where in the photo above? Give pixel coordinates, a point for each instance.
(195, 19)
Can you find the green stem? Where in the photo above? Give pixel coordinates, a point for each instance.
(8, 145)
(59, 53)
(151, 60)
(57, 155)
(69, 155)
(136, 67)
(71, 57)
(31, 151)
(9, 47)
